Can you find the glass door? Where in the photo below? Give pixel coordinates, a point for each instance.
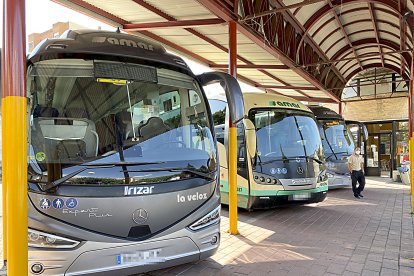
(372, 166)
(385, 154)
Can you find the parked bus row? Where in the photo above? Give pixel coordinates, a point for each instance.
(124, 172)
(287, 152)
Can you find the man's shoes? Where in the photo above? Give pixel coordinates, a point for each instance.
(357, 196)
(360, 195)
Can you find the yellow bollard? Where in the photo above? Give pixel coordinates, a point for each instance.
(233, 179)
(4, 204)
(14, 133)
(15, 153)
(411, 157)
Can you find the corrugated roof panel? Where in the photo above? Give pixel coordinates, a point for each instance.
(337, 36)
(307, 11)
(127, 10)
(290, 93)
(366, 34)
(368, 50)
(336, 48)
(365, 61)
(316, 94)
(182, 9)
(387, 17)
(384, 26)
(358, 15)
(321, 35)
(327, 23)
(349, 65)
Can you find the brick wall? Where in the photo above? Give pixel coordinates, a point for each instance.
(57, 29)
(372, 110)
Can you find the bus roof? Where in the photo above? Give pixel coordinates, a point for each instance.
(98, 43)
(324, 113)
(263, 100)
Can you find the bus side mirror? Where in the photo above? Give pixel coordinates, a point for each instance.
(233, 92)
(250, 138)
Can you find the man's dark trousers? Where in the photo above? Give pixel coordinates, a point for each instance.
(357, 176)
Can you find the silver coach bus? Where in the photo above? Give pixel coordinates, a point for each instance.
(123, 171)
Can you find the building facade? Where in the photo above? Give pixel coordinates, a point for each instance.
(56, 31)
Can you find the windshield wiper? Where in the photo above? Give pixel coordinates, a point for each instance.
(48, 186)
(335, 153)
(293, 158)
(208, 176)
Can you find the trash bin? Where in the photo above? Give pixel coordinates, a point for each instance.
(404, 171)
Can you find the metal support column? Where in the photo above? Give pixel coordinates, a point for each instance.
(411, 129)
(340, 108)
(232, 135)
(14, 137)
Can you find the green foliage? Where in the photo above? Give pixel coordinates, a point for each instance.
(219, 117)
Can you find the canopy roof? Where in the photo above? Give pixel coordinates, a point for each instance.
(307, 50)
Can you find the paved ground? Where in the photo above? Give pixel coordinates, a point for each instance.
(341, 236)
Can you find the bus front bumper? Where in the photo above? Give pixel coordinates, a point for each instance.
(285, 197)
(98, 258)
(338, 181)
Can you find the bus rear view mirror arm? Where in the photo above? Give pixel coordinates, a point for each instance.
(232, 89)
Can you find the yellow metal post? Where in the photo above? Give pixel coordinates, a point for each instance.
(233, 136)
(411, 157)
(14, 135)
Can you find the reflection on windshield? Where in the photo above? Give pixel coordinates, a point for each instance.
(76, 119)
(338, 140)
(285, 134)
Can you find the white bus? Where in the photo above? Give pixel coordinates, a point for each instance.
(280, 155)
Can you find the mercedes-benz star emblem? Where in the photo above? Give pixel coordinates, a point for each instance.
(140, 216)
(300, 170)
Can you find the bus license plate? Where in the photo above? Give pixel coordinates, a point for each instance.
(148, 256)
(301, 196)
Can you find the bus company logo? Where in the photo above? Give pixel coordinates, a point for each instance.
(299, 170)
(140, 216)
(122, 42)
(138, 190)
(285, 104)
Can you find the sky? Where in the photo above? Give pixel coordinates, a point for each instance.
(41, 14)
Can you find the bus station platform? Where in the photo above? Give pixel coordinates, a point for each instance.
(340, 236)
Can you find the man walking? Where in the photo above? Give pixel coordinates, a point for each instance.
(356, 168)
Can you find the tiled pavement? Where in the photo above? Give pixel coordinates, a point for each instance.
(340, 236)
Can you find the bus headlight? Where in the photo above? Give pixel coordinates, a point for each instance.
(209, 219)
(44, 240)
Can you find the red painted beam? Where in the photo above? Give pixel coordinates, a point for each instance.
(350, 11)
(253, 66)
(281, 9)
(203, 37)
(233, 48)
(367, 41)
(402, 6)
(227, 15)
(376, 65)
(374, 23)
(289, 17)
(345, 34)
(173, 24)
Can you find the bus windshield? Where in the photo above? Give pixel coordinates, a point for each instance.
(83, 112)
(338, 141)
(284, 134)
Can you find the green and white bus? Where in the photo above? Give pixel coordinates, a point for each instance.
(280, 157)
